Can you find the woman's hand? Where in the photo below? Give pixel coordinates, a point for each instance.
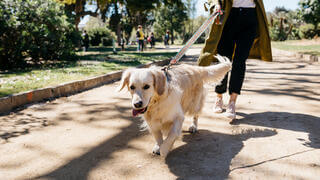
(215, 8)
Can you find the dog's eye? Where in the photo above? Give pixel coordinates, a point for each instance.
(146, 86)
(132, 87)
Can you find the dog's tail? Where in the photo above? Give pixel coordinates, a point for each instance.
(215, 73)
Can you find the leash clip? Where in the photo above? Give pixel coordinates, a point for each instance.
(165, 69)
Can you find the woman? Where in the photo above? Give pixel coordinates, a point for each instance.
(166, 39)
(152, 40)
(140, 38)
(243, 33)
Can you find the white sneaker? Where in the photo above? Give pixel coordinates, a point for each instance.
(218, 105)
(231, 110)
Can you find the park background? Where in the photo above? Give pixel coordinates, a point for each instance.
(77, 126)
(41, 41)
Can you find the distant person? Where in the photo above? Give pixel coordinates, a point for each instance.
(152, 40)
(145, 42)
(140, 38)
(166, 39)
(122, 42)
(149, 40)
(85, 40)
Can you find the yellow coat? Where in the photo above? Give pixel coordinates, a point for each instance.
(141, 37)
(261, 48)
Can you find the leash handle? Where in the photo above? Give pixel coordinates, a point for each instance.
(195, 36)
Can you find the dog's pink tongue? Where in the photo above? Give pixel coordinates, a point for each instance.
(135, 112)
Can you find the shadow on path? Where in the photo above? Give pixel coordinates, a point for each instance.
(208, 154)
(80, 167)
(285, 120)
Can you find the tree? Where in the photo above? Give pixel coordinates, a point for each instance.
(76, 8)
(190, 22)
(284, 24)
(34, 32)
(191, 10)
(125, 15)
(310, 11)
(122, 15)
(171, 17)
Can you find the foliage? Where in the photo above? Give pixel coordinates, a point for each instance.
(310, 11)
(294, 34)
(307, 31)
(284, 24)
(197, 22)
(100, 36)
(34, 31)
(171, 18)
(94, 22)
(276, 34)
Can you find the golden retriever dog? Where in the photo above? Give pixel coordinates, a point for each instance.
(165, 97)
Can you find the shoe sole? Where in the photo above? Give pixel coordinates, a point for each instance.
(230, 116)
(218, 111)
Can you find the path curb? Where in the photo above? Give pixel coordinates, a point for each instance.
(302, 56)
(308, 57)
(14, 101)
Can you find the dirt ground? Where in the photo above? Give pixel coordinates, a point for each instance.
(92, 135)
(306, 42)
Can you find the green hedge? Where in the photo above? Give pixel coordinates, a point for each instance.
(34, 31)
(307, 31)
(277, 35)
(100, 36)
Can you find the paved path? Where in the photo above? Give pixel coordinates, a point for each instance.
(92, 135)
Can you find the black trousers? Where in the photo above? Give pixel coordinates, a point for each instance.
(141, 45)
(237, 37)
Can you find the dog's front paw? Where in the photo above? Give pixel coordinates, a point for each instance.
(164, 151)
(165, 148)
(193, 128)
(156, 149)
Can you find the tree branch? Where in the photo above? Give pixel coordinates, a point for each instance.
(90, 13)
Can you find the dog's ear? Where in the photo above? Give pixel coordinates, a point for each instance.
(124, 79)
(159, 80)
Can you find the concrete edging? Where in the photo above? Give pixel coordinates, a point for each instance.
(14, 101)
(308, 57)
(302, 56)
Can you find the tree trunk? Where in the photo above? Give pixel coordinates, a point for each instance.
(78, 9)
(289, 31)
(119, 33)
(172, 37)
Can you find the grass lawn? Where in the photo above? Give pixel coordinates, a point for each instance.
(97, 61)
(301, 46)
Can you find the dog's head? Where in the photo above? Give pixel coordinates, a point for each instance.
(143, 84)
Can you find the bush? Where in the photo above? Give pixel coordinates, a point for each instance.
(277, 35)
(100, 36)
(106, 41)
(200, 40)
(33, 30)
(307, 31)
(294, 35)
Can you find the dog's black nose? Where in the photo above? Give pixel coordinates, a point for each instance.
(138, 104)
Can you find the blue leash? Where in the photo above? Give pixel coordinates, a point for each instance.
(195, 36)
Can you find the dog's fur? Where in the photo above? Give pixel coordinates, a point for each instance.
(165, 97)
